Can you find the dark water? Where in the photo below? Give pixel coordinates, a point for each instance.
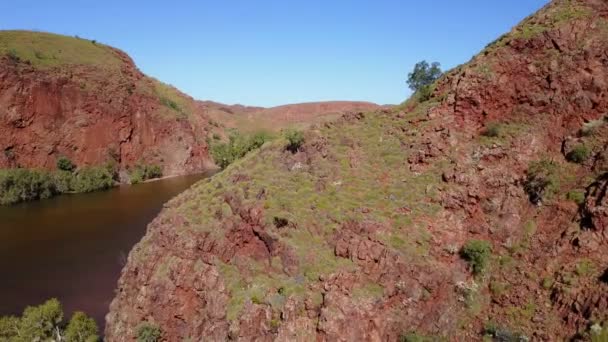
(73, 247)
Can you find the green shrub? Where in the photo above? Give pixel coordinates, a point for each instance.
(148, 332)
(64, 164)
(492, 130)
(541, 180)
(92, 179)
(579, 154)
(497, 333)
(19, 185)
(170, 104)
(295, 139)
(238, 145)
(143, 173)
(415, 337)
(13, 55)
(577, 197)
(477, 253)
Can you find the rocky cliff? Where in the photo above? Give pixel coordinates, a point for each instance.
(64, 96)
(356, 235)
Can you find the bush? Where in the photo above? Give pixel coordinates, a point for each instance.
(541, 180)
(64, 164)
(295, 139)
(477, 253)
(142, 173)
(13, 55)
(238, 146)
(577, 197)
(579, 154)
(148, 332)
(19, 185)
(491, 131)
(92, 179)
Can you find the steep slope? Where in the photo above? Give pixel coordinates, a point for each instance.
(65, 96)
(356, 236)
(300, 115)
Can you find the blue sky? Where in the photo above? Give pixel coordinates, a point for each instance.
(271, 52)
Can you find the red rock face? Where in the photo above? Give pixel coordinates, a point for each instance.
(543, 83)
(92, 116)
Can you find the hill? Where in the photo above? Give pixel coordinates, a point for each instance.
(479, 213)
(300, 115)
(75, 98)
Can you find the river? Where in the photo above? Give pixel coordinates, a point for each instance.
(73, 247)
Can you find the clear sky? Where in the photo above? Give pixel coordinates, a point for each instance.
(271, 52)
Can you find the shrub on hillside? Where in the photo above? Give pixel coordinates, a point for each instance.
(295, 139)
(238, 145)
(65, 164)
(148, 332)
(492, 130)
(541, 180)
(579, 154)
(477, 253)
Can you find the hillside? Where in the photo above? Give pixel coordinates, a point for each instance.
(300, 115)
(479, 213)
(70, 97)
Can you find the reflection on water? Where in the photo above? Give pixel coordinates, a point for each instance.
(73, 247)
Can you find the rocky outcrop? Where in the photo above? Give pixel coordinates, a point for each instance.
(95, 114)
(373, 210)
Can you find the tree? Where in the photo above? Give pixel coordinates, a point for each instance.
(423, 75)
(64, 164)
(81, 329)
(44, 323)
(41, 323)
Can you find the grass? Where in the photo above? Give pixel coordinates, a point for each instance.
(47, 50)
(365, 166)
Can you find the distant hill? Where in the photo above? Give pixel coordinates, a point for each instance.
(300, 115)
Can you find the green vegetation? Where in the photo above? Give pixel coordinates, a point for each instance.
(238, 145)
(81, 328)
(415, 337)
(45, 323)
(21, 185)
(92, 179)
(492, 130)
(142, 173)
(579, 154)
(148, 332)
(576, 196)
(421, 79)
(360, 165)
(494, 332)
(295, 139)
(477, 253)
(45, 50)
(65, 164)
(541, 180)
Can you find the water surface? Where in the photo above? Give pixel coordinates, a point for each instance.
(73, 247)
